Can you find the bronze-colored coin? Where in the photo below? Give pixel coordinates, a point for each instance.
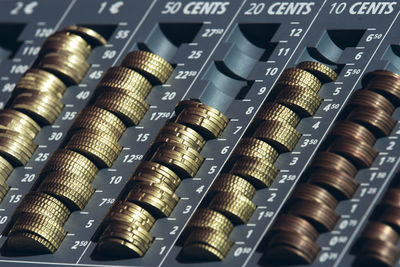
(390, 215)
(152, 66)
(127, 108)
(338, 183)
(332, 162)
(282, 137)
(377, 253)
(70, 68)
(322, 217)
(291, 249)
(274, 111)
(231, 183)
(26, 241)
(44, 108)
(303, 101)
(376, 231)
(92, 117)
(70, 161)
(324, 73)
(369, 99)
(391, 197)
(377, 121)
(360, 154)
(288, 223)
(314, 193)
(386, 85)
(236, 207)
(91, 36)
(259, 173)
(255, 148)
(379, 75)
(352, 130)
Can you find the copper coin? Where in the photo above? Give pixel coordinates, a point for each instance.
(313, 193)
(352, 130)
(332, 162)
(377, 121)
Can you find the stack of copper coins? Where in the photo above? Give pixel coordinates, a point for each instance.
(251, 165)
(377, 243)
(173, 156)
(92, 143)
(330, 177)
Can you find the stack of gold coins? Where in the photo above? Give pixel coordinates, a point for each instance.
(273, 131)
(173, 156)
(15, 147)
(156, 69)
(206, 120)
(38, 224)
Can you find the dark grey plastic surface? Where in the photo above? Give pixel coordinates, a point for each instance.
(218, 39)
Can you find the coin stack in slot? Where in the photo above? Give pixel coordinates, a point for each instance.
(174, 155)
(251, 165)
(36, 99)
(377, 243)
(92, 143)
(330, 177)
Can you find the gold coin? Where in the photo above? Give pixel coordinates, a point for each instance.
(303, 101)
(253, 147)
(231, 183)
(278, 112)
(281, 136)
(324, 73)
(91, 36)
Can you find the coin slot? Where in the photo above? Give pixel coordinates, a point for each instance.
(330, 47)
(165, 38)
(105, 30)
(9, 43)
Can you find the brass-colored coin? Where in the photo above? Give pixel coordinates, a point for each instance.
(255, 148)
(215, 239)
(91, 36)
(94, 118)
(65, 42)
(148, 178)
(231, 183)
(324, 73)
(70, 68)
(71, 190)
(26, 241)
(151, 203)
(236, 207)
(200, 123)
(41, 203)
(202, 252)
(277, 112)
(130, 232)
(259, 173)
(101, 150)
(16, 150)
(118, 248)
(44, 108)
(282, 137)
(152, 66)
(299, 77)
(208, 218)
(153, 170)
(23, 120)
(70, 161)
(131, 208)
(197, 104)
(129, 109)
(303, 101)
